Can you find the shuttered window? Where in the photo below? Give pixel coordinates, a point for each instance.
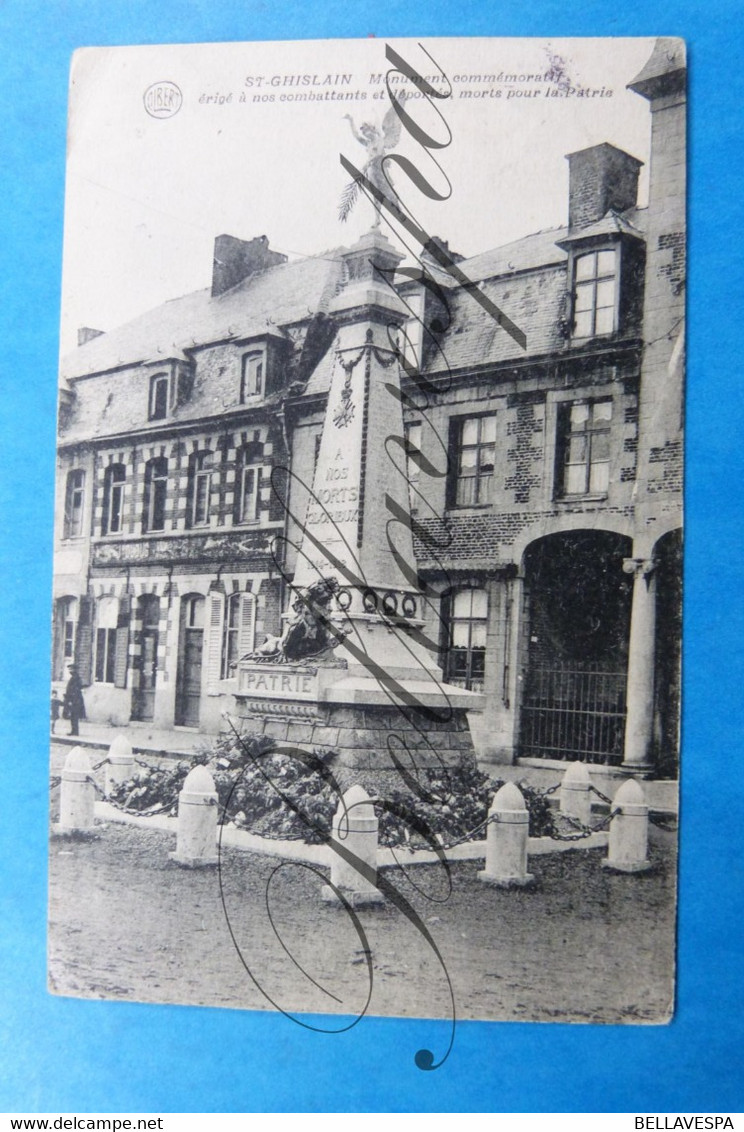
(215, 614)
(239, 631)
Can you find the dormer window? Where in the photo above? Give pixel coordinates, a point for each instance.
(158, 397)
(252, 375)
(595, 294)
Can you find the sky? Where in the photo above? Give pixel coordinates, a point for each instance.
(146, 196)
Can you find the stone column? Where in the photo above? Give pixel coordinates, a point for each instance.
(77, 794)
(355, 828)
(628, 844)
(196, 837)
(120, 766)
(506, 840)
(576, 800)
(641, 661)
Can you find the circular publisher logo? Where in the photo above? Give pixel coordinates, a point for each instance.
(163, 99)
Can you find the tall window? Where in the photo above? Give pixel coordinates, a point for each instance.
(584, 448)
(465, 646)
(68, 629)
(74, 502)
(106, 622)
(252, 375)
(113, 499)
(248, 483)
(158, 397)
(413, 445)
(66, 617)
(594, 296)
(201, 481)
(475, 457)
(231, 642)
(156, 490)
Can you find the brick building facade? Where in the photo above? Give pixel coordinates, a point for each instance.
(545, 482)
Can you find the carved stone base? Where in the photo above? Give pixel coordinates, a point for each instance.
(374, 742)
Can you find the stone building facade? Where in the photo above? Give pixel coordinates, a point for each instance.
(545, 481)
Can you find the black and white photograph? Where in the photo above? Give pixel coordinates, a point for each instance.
(366, 662)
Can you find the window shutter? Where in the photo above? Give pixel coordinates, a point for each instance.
(214, 643)
(121, 657)
(247, 624)
(84, 641)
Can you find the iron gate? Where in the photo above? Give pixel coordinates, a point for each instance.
(574, 712)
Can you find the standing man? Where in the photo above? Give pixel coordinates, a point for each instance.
(74, 704)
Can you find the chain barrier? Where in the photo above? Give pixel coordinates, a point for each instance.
(55, 781)
(600, 795)
(149, 766)
(669, 823)
(584, 830)
(166, 809)
(101, 763)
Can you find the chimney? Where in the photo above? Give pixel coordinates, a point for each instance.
(599, 179)
(234, 260)
(85, 333)
(435, 242)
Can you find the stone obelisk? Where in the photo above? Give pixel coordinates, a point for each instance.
(380, 702)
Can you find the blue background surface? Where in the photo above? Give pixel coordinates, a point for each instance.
(74, 1056)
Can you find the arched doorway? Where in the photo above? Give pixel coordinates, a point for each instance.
(577, 617)
(190, 649)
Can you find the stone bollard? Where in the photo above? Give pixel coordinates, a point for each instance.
(355, 827)
(506, 840)
(196, 839)
(77, 794)
(628, 845)
(120, 765)
(576, 799)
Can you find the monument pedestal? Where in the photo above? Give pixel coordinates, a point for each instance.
(356, 717)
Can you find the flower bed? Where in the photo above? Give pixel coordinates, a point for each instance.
(292, 797)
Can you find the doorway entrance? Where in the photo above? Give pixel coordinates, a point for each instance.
(577, 623)
(190, 649)
(143, 696)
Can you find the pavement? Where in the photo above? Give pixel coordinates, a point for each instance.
(145, 739)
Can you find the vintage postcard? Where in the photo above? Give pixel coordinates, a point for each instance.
(366, 667)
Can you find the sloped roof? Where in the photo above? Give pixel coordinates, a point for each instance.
(281, 295)
(526, 280)
(611, 224)
(667, 60)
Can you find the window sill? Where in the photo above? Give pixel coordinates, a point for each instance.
(587, 498)
(593, 338)
(469, 506)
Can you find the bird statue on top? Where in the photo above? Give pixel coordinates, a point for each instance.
(308, 633)
(377, 140)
